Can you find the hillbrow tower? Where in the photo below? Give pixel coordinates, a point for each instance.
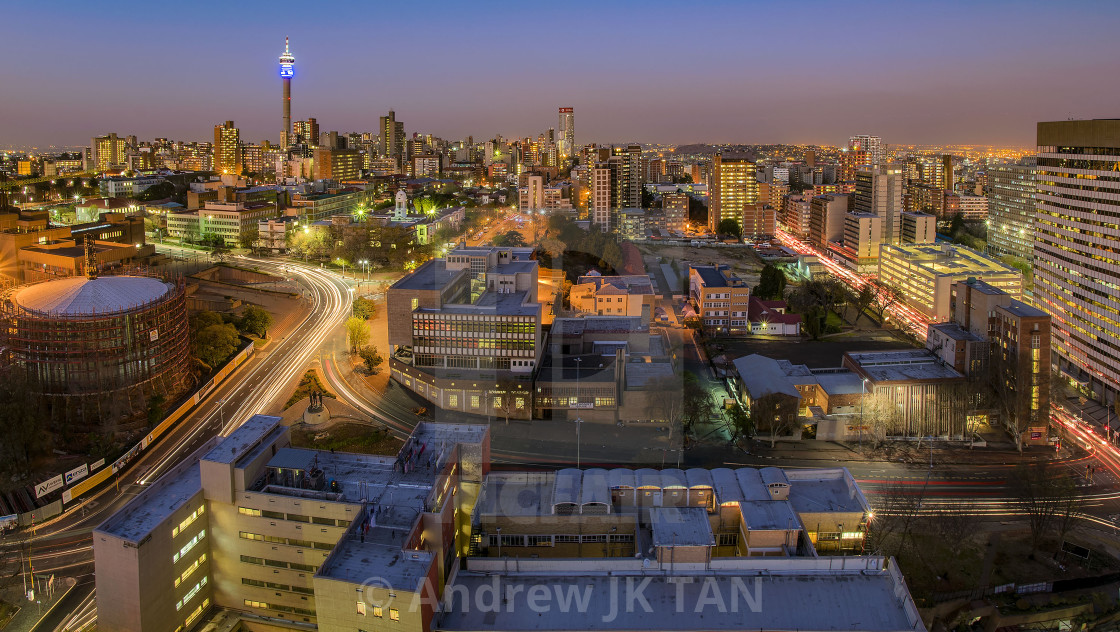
(287, 69)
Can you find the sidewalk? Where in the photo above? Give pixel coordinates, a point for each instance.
(30, 612)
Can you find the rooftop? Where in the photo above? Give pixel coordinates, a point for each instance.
(764, 376)
(501, 303)
(681, 526)
(431, 275)
(820, 600)
(830, 490)
(158, 501)
(955, 331)
(243, 439)
(81, 296)
(902, 365)
(1023, 310)
(595, 324)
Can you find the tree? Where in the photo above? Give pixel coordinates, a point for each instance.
(22, 435)
(509, 239)
(357, 332)
(371, 358)
(1068, 504)
(213, 344)
(256, 320)
(696, 403)
(155, 408)
(771, 412)
(364, 308)
(863, 300)
(771, 283)
(218, 248)
(505, 395)
(729, 226)
(740, 423)
(1038, 496)
(885, 297)
(202, 320)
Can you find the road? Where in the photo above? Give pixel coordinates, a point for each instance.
(63, 545)
(907, 318)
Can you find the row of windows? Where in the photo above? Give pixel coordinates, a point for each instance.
(188, 520)
(277, 607)
(260, 561)
(330, 522)
(188, 546)
(245, 535)
(190, 570)
(274, 586)
(378, 611)
(552, 540)
(190, 594)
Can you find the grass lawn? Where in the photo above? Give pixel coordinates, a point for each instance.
(310, 382)
(358, 438)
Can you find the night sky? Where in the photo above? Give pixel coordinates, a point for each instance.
(671, 72)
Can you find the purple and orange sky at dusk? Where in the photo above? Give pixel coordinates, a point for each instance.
(670, 72)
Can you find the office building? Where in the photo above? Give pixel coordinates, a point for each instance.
(567, 129)
(919, 228)
(971, 207)
(278, 538)
(232, 222)
(106, 152)
(626, 176)
(337, 164)
(909, 392)
(390, 143)
(612, 295)
(826, 219)
(734, 188)
(227, 149)
(1011, 209)
(1017, 362)
(306, 132)
(862, 235)
(287, 71)
(924, 275)
(466, 328)
(599, 198)
(797, 214)
(1076, 267)
(720, 298)
(851, 161)
(873, 145)
(675, 210)
(879, 192)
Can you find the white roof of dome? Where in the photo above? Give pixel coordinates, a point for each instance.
(79, 296)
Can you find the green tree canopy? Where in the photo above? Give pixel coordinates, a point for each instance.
(771, 283)
(214, 344)
(729, 226)
(256, 320)
(509, 239)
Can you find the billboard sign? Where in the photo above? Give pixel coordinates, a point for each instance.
(48, 486)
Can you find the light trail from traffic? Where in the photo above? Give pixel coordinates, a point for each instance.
(900, 312)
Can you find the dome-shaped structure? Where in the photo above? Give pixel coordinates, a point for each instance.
(98, 349)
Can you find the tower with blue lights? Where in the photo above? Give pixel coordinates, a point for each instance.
(287, 69)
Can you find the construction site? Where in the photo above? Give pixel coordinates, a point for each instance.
(96, 349)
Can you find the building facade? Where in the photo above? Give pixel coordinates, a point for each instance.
(923, 275)
(721, 299)
(734, 187)
(1011, 209)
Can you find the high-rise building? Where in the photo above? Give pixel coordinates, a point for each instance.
(1011, 189)
(227, 148)
(675, 207)
(391, 141)
(567, 133)
(337, 164)
(851, 161)
(879, 191)
(287, 70)
(106, 151)
(306, 132)
(734, 187)
(1075, 259)
(599, 200)
(871, 144)
(626, 175)
(826, 220)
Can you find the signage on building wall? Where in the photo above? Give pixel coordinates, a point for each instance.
(77, 474)
(48, 486)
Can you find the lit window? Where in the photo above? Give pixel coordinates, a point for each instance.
(394, 614)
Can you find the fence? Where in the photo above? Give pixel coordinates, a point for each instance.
(92, 482)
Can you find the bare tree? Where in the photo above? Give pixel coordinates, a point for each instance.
(1038, 495)
(885, 296)
(505, 395)
(776, 413)
(1068, 503)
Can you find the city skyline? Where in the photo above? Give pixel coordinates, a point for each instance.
(782, 83)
